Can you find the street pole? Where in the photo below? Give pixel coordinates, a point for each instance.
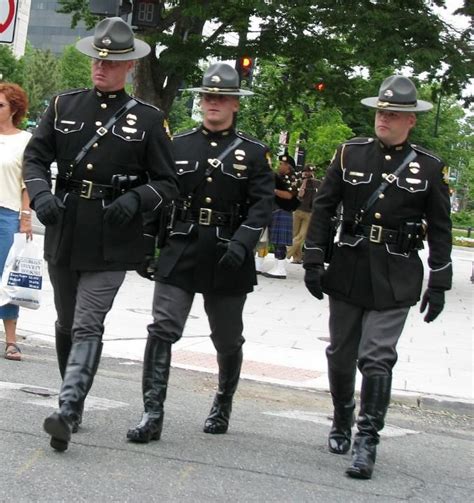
(438, 108)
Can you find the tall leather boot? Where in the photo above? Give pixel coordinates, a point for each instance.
(156, 370)
(375, 398)
(229, 373)
(342, 391)
(80, 371)
(63, 346)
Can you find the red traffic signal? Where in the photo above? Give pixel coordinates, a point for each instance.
(319, 86)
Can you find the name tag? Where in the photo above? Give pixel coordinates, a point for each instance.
(413, 180)
(240, 167)
(356, 173)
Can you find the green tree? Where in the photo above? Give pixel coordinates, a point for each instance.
(317, 38)
(10, 67)
(74, 69)
(40, 78)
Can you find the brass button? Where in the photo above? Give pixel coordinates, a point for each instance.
(127, 137)
(381, 196)
(180, 170)
(384, 175)
(411, 188)
(388, 157)
(208, 200)
(89, 166)
(239, 174)
(209, 179)
(98, 123)
(354, 180)
(95, 145)
(103, 105)
(213, 144)
(66, 129)
(378, 216)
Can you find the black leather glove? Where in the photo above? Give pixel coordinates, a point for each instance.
(121, 211)
(233, 257)
(148, 268)
(312, 280)
(48, 208)
(434, 299)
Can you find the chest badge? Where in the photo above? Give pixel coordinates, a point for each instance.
(414, 167)
(239, 154)
(131, 119)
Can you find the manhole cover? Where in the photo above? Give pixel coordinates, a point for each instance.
(38, 391)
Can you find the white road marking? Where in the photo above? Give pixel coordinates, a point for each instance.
(13, 391)
(324, 419)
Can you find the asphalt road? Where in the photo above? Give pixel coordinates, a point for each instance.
(275, 450)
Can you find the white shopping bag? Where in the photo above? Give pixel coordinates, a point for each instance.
(22, 277)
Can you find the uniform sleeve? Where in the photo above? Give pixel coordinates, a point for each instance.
(325, 206)
(439, 231)
(260, 189)
(162, 186)
(39, 153)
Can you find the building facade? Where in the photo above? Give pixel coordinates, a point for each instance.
(48, 29)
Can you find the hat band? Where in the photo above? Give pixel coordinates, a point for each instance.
(385, 104)
(103, 52)
(219, 89)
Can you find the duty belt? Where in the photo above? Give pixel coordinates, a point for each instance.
(377, 234)
(206, 216)
(88, 189)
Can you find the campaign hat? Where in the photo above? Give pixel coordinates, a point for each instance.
(220, 78)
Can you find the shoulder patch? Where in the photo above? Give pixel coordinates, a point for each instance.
(445, 172)
(359, 141)
(268, 157)
(251, 139)
(421, 150)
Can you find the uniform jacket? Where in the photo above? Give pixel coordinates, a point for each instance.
(288, 184)
(136, 145)
(376, 275)
(244, 181)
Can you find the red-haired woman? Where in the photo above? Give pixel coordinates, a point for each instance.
(15, 214)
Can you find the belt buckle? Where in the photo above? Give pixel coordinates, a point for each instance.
(215, 163)
(375, 235)
(205, 216)
(86, 189)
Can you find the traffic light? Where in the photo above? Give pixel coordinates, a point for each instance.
(110, 8)
(319, 86)
(244, 68)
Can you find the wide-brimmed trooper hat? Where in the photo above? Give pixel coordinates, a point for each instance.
(397, 93)
(287, 158)
(113, 40)
(220, 78)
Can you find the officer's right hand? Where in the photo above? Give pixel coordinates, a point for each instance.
(48, 207)
(312, 280)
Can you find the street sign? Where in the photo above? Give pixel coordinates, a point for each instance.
(8, 15)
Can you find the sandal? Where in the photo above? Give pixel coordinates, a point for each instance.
(12, 352)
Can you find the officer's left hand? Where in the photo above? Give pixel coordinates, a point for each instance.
(434, 299)
(148, 268)
(234, 256)
(121, 211)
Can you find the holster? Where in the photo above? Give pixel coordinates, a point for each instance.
(410, 237)
(123, 183)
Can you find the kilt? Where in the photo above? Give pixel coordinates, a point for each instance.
(9, 224)
(281, 229)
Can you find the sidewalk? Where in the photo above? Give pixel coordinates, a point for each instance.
(286, 336)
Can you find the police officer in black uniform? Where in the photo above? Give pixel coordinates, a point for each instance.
(226, 192)
(375, 273)
(94, 230)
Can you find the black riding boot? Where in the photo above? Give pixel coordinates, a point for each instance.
(374, 401)
(156, 370)
(63, 347)
(80, 371)
(229, 373)
(342, 391)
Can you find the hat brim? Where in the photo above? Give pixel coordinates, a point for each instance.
(85, 45)
(374, 102)
(224, 92)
